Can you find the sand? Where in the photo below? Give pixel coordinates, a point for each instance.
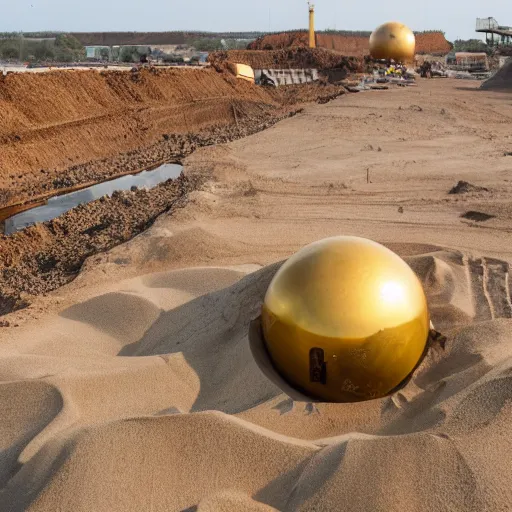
(135, 387)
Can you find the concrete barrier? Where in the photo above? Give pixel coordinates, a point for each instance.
(288, 76)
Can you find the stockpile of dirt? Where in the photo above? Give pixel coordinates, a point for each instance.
(502, 80)
(289, 58)
(353, 45)
(57, 120)
(307, 93)
(280, 41)
(67, 128)
(463, 187)
(432, 42)
(349, 45)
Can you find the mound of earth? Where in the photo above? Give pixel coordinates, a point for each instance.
(502, 80)
(65, 128)
(46, 256)
(463, 187)
(353, 45)
(280, 41)
(477, 216)
(287, 58)
(62, 118)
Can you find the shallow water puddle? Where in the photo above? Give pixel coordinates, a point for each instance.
(58, 205)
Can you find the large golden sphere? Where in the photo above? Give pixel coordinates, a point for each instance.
(345, 319)
(393, 41)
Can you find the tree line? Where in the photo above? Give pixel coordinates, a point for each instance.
(63, 48)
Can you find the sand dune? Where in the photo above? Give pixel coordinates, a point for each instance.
(143, 384)
(122, 415)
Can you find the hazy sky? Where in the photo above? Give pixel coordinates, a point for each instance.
(455, 17)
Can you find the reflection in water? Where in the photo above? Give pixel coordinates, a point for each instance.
(60, 204)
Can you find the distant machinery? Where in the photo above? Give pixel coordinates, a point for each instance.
(495, 34)
(312, 38)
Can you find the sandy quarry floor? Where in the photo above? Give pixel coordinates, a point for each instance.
(100, 377)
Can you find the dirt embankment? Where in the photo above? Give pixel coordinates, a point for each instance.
(67, 128)
(357, 46)
(280, 41)
(502, 80)
(54, 121)
(44, 257)
(289, 58)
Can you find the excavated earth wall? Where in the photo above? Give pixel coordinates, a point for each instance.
(351, 45)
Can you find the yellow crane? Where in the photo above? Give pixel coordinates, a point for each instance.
(312, 39)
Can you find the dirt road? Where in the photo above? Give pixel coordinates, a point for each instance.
(415, 144)
(308, 175)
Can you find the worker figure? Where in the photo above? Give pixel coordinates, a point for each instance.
(426, 70)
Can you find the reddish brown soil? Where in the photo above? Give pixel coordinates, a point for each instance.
(357, 46)
(288, 58)
(51, 121)
(42, 258)
(67, 128)
(280, 41)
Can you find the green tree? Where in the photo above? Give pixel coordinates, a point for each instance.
(68, 48)
(471, 45)
(133, 53)
(68, 41)
(10, 52)
(43, 51)
(127, 54)
(207, 44)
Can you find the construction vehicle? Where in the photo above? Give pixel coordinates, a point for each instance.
(242, 71)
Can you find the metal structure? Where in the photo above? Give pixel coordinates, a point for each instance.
(287, 76)
(495, 34)
(312, 38)
(345, 320)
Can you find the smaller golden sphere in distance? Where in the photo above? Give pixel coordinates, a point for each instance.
(345, 319)
(393, 41)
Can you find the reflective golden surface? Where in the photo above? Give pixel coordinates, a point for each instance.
(393, 41)
(312, 37)
(360, 304)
